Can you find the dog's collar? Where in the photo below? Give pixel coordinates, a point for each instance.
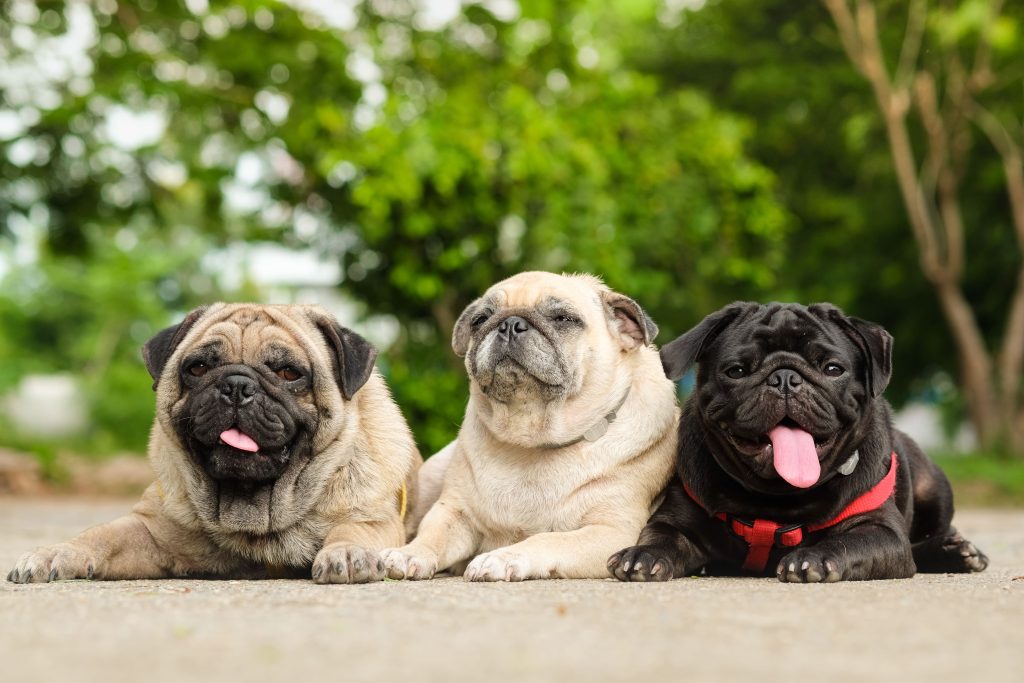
(761, 535)
(596, 431)
(846, 469)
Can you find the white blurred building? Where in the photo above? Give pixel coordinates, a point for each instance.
(923, 423)
(47, 406)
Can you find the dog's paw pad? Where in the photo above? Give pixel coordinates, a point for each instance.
(498, 566)
(641, 563)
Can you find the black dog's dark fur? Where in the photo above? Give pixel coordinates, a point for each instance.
(721, 457)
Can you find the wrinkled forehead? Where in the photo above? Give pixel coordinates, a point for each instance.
(790, 328)
(542, 292)
(250, 335)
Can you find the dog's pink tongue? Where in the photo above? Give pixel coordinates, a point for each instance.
(237, 439)
(796, 459)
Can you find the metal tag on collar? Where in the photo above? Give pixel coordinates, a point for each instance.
(847, 468)
(597, 431)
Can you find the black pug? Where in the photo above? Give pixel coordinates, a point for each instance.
(788, 460)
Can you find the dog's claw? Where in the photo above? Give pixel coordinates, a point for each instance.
(808, 565)
(398, 564)
(340, 563)
(640, 563)
(498, 565)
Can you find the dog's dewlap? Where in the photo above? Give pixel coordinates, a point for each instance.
(795, 457)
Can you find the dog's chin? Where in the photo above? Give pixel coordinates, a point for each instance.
(225, 463)
(509, 381)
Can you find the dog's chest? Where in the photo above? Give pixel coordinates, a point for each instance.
(517, 500)
(294, 547)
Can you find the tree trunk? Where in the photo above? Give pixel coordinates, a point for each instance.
(975, 366)
(1011, 364)
(1011, 354)
(932, 204)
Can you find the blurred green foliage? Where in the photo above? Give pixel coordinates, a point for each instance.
(983, 479)
(779, 64)
(688, 157)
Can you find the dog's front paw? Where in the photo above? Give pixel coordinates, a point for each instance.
(810, 565)
(641, 563)
(346, 563)
(55, 563)
(498, 565)
(967, 557)
(400, 563)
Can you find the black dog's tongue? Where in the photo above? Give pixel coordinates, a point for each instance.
(795, 457)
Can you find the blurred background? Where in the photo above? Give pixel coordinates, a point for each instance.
(390, 159)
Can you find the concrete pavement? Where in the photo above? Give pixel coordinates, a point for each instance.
(931, 628)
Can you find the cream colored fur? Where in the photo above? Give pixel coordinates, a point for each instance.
(517, 510)
(330, 512)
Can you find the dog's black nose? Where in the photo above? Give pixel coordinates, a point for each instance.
(785, 380)
(237, 390)
(513, 326)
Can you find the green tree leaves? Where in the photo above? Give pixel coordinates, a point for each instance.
(430, 160)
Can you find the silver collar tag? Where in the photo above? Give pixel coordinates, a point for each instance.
(599, 429)
(847, 468)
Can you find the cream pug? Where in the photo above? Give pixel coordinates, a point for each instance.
(568, 436)
(277, 449)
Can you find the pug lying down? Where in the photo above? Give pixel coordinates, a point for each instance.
(568, 436)
(278, 451)
(788, 462)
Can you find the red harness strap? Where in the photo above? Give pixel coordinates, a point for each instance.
(762, 535)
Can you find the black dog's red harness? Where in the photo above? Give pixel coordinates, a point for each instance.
(762, 535)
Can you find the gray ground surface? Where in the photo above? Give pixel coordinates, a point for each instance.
(936, 628)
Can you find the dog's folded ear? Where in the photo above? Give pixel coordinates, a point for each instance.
(628, 321)
(680, 354)
(463, 331)
(873, 340)
(352, 356)
(878, 342)
(158, 350)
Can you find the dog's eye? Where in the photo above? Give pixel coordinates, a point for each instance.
(198, 370)
(736, 372)
(288, 373)
(834, 370)
(565, 318)
(479, 320)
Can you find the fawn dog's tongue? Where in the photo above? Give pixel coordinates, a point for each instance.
(237, 439)
(796, 459)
